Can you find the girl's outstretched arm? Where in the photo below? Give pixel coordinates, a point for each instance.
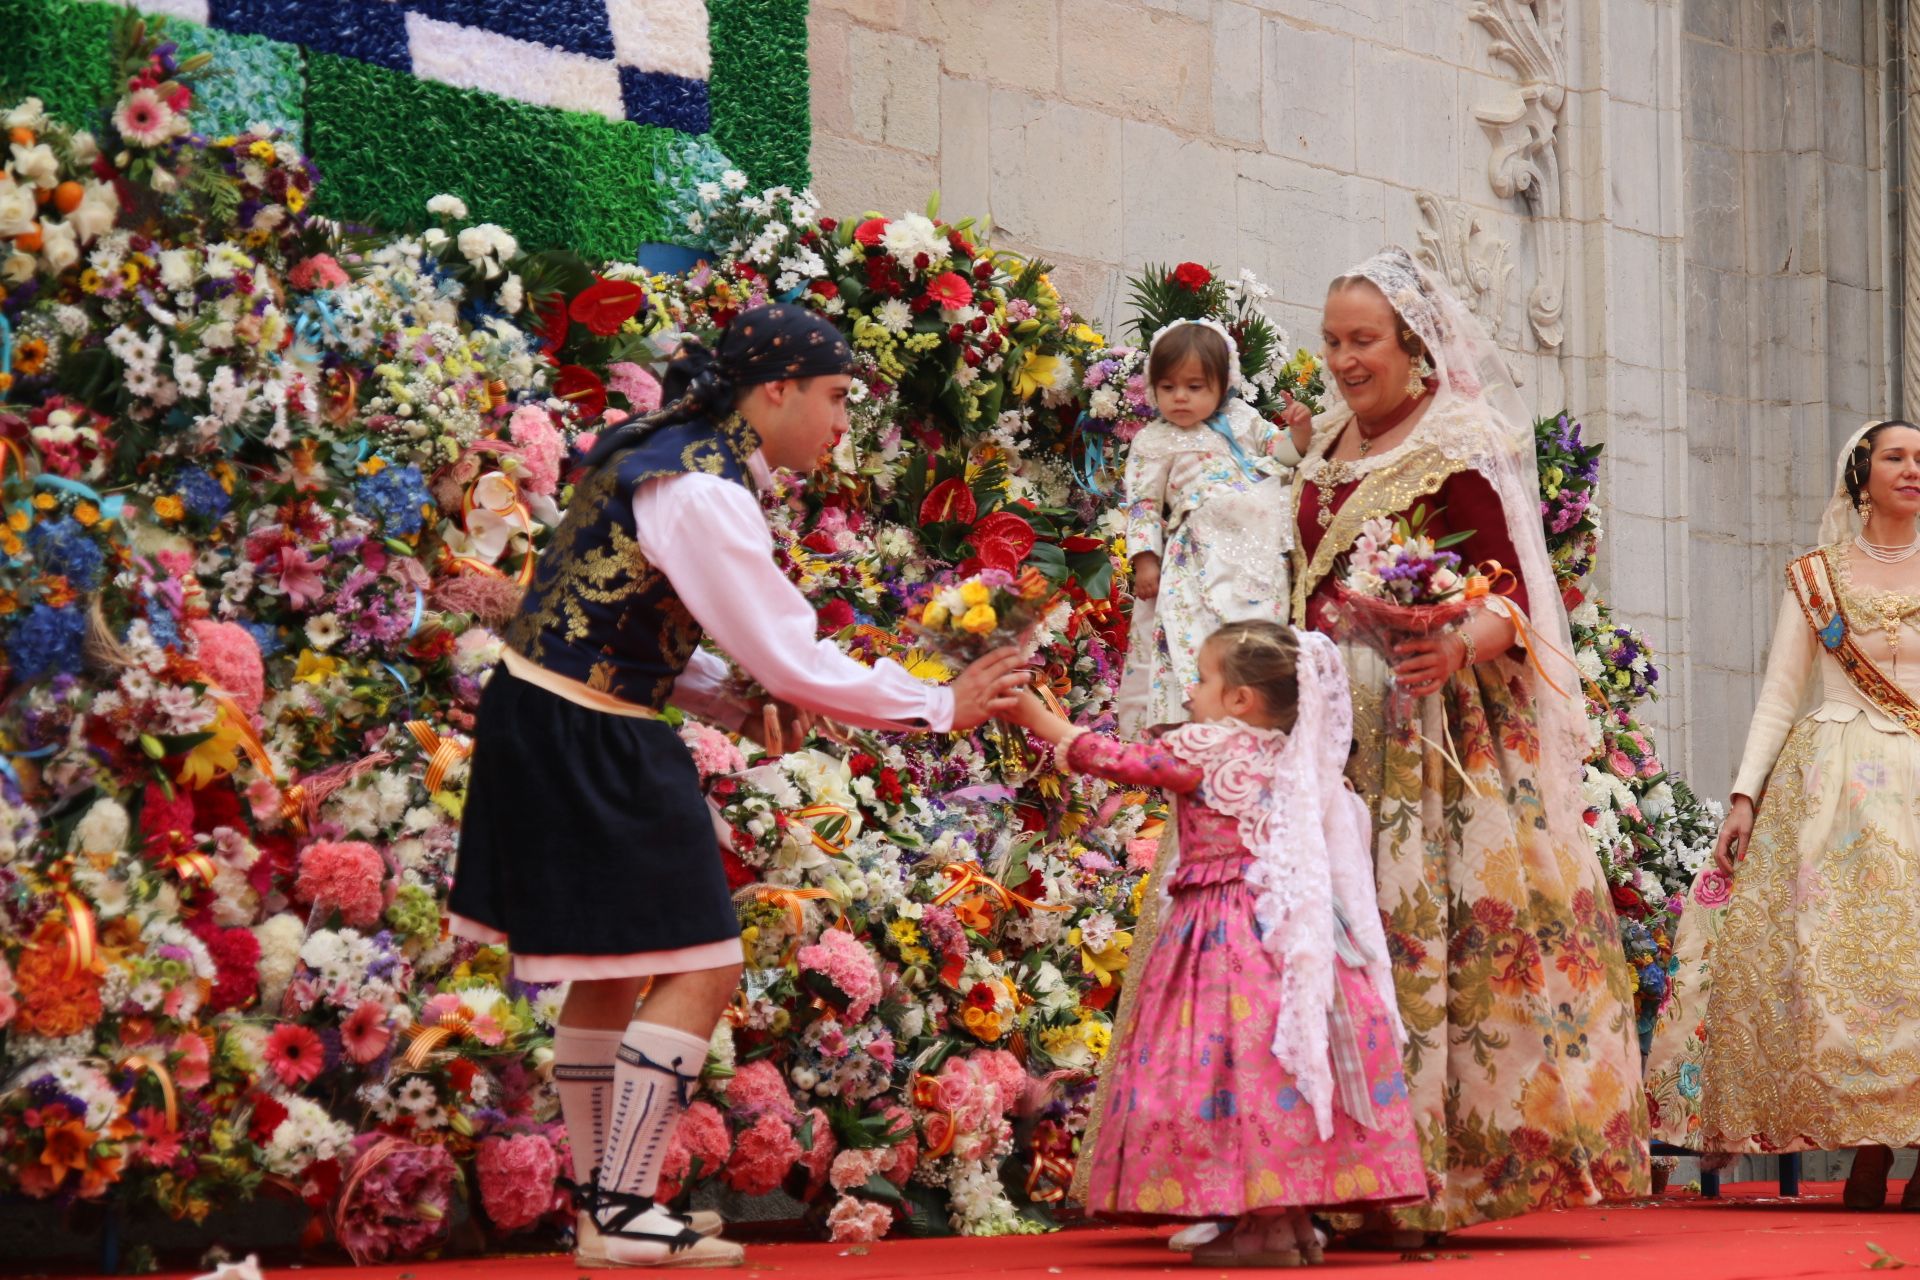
(1133, 764)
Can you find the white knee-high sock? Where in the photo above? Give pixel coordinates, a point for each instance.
(655, 1071)
(583, 1076)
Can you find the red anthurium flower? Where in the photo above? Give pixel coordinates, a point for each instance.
(554, 323)
(950, 290)
(991, 553)
(1191, 275)
(869, 232)
(583, 387)
(1004, 526)
(607, 304)
(949, 500)
(1081, 542)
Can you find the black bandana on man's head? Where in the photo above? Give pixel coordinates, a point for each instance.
(765, 344)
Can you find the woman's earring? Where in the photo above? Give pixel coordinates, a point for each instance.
(1417, 378)
(1865, 508)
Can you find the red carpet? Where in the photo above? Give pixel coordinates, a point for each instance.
(1748, 1234)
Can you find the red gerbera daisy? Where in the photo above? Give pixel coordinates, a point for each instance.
(295, 1054)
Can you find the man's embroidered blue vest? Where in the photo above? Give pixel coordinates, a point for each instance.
(596, 611)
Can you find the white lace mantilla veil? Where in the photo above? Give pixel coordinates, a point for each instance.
(1841, 520)
(1479, 421)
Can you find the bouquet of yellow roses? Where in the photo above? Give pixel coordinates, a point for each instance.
(969, 618)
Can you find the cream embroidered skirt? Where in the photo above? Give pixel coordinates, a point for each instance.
(1796, 1022)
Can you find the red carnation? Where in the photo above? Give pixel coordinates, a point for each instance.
(836, 615)
(950, 289)
(166, 822)
(607, 304)
(583, 387)
(949, 500)
(869, 232)
(824, 289)
(236, 964)
(1191, 275)
(1627, 900)
(268, 1112)
(860, 764)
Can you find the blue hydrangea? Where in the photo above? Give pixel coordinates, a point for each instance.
(47, 641)
(267, 636)
(63, 548)
(394, 497)
(165, 627)
(202, 494)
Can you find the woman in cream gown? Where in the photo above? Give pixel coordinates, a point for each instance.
(1811, 1032)
(1521, 1058)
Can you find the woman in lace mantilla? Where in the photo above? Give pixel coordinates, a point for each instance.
(1795, 1023)
(1522, 1059)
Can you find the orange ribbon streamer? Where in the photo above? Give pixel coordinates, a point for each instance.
(926, 1093)
(140, 1062)
(83, 934)
(256, 751)
(442, 753)
(10, 451)
(514, 511)
(1057, 1168)
(425, 1039)
(969, 877)
(1494, 579)
(192, 865)
(832, 848)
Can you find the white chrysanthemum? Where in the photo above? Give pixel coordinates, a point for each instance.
(908, 237)
(280, 938)
(103, 829)
(450, 206)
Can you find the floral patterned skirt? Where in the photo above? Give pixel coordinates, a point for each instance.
(1202, 1121)
(1522, 1059)
(1807, 1036)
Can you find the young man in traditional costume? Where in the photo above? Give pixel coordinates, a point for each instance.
(587, 845)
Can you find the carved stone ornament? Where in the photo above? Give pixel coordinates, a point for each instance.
(1474, 261)
(1524, 124)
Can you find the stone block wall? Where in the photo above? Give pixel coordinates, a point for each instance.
(1698, 270)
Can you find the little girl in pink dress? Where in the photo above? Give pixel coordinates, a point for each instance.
(1261, 1075)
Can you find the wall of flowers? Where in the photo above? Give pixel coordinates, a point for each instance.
(271, 485)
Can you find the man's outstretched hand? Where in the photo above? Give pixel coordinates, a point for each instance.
(988, 687)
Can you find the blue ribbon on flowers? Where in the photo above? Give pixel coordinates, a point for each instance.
(311, 329)
(419, 608)
(109, 507)
(405, 688)
(1092, 459)
(7, 757)
(6, 345)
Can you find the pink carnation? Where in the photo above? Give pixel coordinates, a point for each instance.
(516, 1179)
(853, 1167)
(714, 753)
(848, 966)
(759, 1089)
(641, 388)
(345, 876)
(762, 1157)
(230, 657)
(819, 1155)
(1141, 854)
(697, 1149)
(542, 447)
(318, 272)
(858, 1221)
